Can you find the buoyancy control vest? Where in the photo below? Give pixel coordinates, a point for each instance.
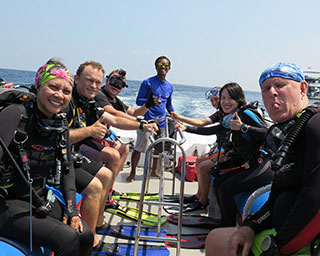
(17, 155)
(281, 139)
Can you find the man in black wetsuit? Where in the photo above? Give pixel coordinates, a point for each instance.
(294, 202)
(108, 100)
(87, 121)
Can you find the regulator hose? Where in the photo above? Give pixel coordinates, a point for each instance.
(290, 139)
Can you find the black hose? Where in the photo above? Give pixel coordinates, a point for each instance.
(290, 139)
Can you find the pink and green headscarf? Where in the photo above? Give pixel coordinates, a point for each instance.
(51, 71)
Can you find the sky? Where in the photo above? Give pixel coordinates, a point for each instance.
(209, 42)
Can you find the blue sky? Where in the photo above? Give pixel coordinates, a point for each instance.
(208, 42)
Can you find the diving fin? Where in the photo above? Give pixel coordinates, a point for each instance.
(197, 221)
(131, 213)
(176, 198)
(133, 196)
(189, 207)
(172, 229)
(126, 231)
(127, 249)
(189, 242)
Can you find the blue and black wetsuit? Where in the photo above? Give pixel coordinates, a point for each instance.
(245, 157)
(42, 152)
(293, 207)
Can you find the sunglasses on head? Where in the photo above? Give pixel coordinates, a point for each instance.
(117, 82)
(213, 92)
(122, 72)
(160, 64)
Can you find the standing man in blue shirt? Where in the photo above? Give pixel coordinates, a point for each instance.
(159, 86)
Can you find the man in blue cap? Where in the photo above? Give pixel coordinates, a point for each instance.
(293, 207)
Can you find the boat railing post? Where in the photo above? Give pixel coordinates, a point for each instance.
(146, 178)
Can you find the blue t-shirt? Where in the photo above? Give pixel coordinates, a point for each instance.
(165, 89)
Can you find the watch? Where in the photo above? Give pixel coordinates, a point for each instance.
(142, 122)
(244, 128)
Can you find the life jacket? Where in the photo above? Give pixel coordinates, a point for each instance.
(257, 114)
(85, 112)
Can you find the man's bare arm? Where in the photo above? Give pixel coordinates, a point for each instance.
(111, 110)
(125, 124)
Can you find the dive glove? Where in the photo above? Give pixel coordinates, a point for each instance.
(152, 101)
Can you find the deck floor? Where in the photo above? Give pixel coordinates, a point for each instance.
(122, 186)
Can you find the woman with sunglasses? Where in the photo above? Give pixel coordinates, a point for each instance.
(40, 147)
(241, 136)
(205, 162)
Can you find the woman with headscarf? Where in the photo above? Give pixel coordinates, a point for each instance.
(41, 149)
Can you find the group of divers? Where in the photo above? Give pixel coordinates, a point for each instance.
(54, 138)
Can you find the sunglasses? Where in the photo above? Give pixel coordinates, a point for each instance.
(213, 92)
(160, 64)
(117, 82)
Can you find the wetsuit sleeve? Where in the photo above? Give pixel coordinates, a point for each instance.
(102, 100)
(68, 185)
(144, 93)
(214, 118)
(10, 116)
(216, 129)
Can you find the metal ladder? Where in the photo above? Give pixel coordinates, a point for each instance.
(160, 203)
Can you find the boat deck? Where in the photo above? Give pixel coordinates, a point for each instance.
(122, 186)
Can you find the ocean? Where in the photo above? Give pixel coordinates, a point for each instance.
(188, 100)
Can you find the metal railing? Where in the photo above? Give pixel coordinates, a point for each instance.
(145, 184)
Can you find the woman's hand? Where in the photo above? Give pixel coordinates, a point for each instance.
(235, 123)
(180, 126)
(175, 115)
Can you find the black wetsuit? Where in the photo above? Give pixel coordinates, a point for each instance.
(293, 207)
(216, 116)
(103, 99)
(49, 231)
(245, 151)
(81, 113)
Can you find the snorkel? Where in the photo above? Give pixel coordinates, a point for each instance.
(213, 92)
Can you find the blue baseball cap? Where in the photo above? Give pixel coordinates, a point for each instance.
(283, 70)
